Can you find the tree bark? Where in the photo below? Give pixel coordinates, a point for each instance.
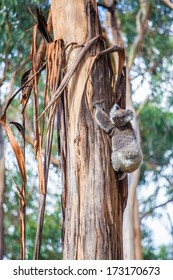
(93, 200)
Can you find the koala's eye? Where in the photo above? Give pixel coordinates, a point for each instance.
(117, 107)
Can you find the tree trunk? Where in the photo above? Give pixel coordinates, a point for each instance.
(130, 213)
(93, 200)
(137, 232)
(2, 189)
(128, 223)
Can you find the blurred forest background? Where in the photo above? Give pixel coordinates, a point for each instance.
(147, 31)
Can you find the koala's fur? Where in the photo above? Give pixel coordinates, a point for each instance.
(126, 154)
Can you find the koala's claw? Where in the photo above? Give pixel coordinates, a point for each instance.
(121, 175)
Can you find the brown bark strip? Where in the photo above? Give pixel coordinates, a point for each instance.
(38, 139)
(21, 194)
(70, 73)
(54, 55)
(21, 163)
(16, 149)
(38, 64)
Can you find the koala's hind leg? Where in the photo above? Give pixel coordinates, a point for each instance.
(115, 161)
(116, 166)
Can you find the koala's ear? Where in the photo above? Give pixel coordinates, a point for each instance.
(123, 117)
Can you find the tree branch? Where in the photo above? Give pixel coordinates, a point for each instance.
(151, 210)
(168, 3)
(141, 27)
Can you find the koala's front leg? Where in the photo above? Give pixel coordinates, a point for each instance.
(103, 119)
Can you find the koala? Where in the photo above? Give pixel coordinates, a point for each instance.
(126, 153)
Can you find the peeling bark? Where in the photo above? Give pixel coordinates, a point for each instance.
(93, 200)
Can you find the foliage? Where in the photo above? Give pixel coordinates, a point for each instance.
(16, 34)
(158, 145)
(163, 252)
(156, 51)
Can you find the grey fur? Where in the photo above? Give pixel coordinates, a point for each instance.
(126, 154)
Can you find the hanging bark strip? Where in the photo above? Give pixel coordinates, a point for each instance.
(70, 73)
(23, 207)
(54, 58)
(19, 153)
(39, 64)
(21, 191)
(38, 138)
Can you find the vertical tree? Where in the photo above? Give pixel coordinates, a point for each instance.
(93, 200)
